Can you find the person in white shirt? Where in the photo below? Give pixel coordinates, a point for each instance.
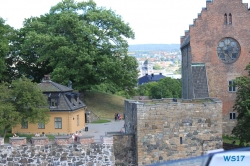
(37, 135)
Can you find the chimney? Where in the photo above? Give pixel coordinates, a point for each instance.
(46, 78)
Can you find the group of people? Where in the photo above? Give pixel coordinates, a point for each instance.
(118, 116)
(75, 136)
(39, 135)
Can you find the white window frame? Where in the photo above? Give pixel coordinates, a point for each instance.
(230, 87)
(58, 122)
(41, 126)
(232, 115)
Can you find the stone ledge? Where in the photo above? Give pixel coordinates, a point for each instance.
(39, 140)
(17, 141)
(63, 140)
(85, 140)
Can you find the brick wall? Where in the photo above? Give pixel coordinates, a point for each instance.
(174, 130)
(205, 33)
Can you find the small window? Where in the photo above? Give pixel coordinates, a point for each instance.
(24, 124)
(231, 86)
(53, 103)
(232, 115)
(225, 18)
(58, 123)
(230, 18)
(180, 140)
(77, 120)
(41, 125)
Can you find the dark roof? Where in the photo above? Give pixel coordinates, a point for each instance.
(50, 86)
(66, 99)
(150, 78)
(186, 41)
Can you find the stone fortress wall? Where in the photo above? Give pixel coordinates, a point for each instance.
(166, 130)
(112, 150)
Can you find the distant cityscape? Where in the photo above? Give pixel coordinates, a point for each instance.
(157, 58)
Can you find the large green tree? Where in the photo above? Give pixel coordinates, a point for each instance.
(242, 107)
(164, 88)
(6, 34)
(80, 42)
(22, 100)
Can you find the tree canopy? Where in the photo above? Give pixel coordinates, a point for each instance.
(22, 100)
(5, 36)
(78, 42)
(164, 88)
(242, 107)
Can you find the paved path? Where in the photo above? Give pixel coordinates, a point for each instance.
(98, 130)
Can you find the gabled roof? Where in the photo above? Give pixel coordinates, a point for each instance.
(66, 99)
(150, 78)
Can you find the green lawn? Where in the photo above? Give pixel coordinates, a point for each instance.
(104, 105)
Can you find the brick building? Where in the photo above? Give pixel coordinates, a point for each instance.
(215, 50)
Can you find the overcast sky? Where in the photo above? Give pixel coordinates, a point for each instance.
(153, 21)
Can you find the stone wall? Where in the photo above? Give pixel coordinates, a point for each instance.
(228, 125)
(62, 151)
(72, 154)
(125, 150)
(174, 130)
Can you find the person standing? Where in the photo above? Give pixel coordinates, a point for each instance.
(73, 137)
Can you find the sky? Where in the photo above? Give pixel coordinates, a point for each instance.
(153, 21)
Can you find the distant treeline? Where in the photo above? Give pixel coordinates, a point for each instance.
(154, 47)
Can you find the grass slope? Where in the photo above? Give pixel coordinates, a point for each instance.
(104, 105)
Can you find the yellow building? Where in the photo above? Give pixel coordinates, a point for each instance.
(67, 111)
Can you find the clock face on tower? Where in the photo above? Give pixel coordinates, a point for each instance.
(228, 50)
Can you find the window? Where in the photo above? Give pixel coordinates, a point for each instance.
(225, 18)
(232, 115)
(77, 120)
(230, 18)
(58, 123)
(231, 86)
(24, 124)
(53, 103)
(41, 125)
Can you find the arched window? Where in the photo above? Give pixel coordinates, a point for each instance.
(230, 18)
(225, 18)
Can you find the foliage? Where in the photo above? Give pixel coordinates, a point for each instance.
(178, 71)
(164, 88)
(80, 42)
(231, 139)
(5, 36)
(22, 100)
(157, 67)
(242, 106)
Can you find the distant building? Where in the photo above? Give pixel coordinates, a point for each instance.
(67, 111)
(150, 78)
(147, 67)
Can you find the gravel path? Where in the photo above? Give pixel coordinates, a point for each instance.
(98, 130)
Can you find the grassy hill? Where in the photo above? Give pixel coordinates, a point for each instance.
(103, 105)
